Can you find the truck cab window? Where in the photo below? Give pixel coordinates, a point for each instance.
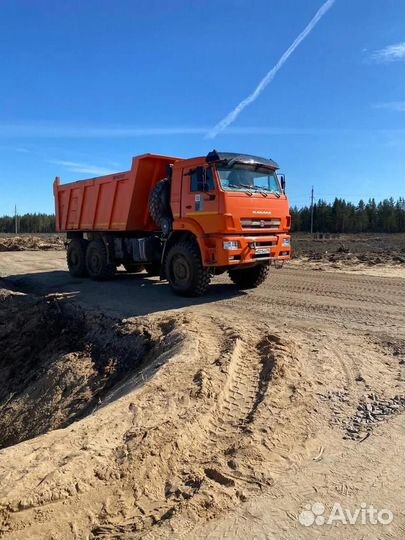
(243, 177)
(196, 183)
(197, 180)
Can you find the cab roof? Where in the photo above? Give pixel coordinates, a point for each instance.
(231, 157)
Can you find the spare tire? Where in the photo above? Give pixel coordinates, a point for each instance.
(159, 205)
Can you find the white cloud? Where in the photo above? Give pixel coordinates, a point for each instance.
(22, 131)
(107, 132)
(396, 106)
(80, 167)
(53, 131)
(391, 53)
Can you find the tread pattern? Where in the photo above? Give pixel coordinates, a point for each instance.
(159, 202)
(248, 402)
(250, 278)
(242, 392)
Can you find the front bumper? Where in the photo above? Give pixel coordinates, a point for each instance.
(251, 249)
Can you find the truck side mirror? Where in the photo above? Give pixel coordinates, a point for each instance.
(202, 179)
(282, 182)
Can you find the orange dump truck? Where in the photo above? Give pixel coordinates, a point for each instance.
(184, 220)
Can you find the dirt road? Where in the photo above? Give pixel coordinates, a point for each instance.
(250, 406)
(346, 298)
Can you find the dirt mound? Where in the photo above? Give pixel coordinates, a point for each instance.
(31, 243)
(58, 362)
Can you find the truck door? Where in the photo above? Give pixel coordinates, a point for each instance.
(200, 198)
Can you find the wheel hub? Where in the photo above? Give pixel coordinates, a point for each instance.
(96, 262)
(181, 271)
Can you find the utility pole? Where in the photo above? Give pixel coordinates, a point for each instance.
(312, 209)
(15, 219)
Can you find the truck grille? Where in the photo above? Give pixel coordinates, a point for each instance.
(248, 223)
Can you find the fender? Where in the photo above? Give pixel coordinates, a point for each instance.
(190, 227)
(176, 236)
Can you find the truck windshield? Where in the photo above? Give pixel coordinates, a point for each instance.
(248, 177)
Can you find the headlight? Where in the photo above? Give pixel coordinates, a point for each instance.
(285, 242)
(231, 244)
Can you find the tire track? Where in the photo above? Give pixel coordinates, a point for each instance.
(247, 369)
(249, 374)
(363, 313)
(353, 293)
(237, 396)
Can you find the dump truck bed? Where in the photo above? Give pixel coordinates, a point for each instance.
(116, 202)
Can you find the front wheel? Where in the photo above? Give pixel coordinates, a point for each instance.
(184, 270)
(250, 278)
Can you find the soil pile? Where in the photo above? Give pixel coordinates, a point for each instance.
(58, 362)
(31, 243)
(350, 249)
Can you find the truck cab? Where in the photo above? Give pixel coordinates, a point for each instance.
(236, 207)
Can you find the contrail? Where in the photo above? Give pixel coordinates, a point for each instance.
(231, 117)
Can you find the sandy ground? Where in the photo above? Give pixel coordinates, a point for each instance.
(359, 268)
(145, 415)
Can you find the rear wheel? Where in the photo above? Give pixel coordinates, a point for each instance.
(98, 266)
(250, 278)
(184, 270)
(76, 257)
(133, 268)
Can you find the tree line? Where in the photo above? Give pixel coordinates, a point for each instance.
(338, 216)
(28, 223)
(341, 216)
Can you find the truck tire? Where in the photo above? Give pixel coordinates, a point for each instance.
(184, 270)
(251, 277)
(159, 206)
(133, 268)
(76, 257)
(97, 263)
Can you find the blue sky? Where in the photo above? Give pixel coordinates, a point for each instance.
(86, 85)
